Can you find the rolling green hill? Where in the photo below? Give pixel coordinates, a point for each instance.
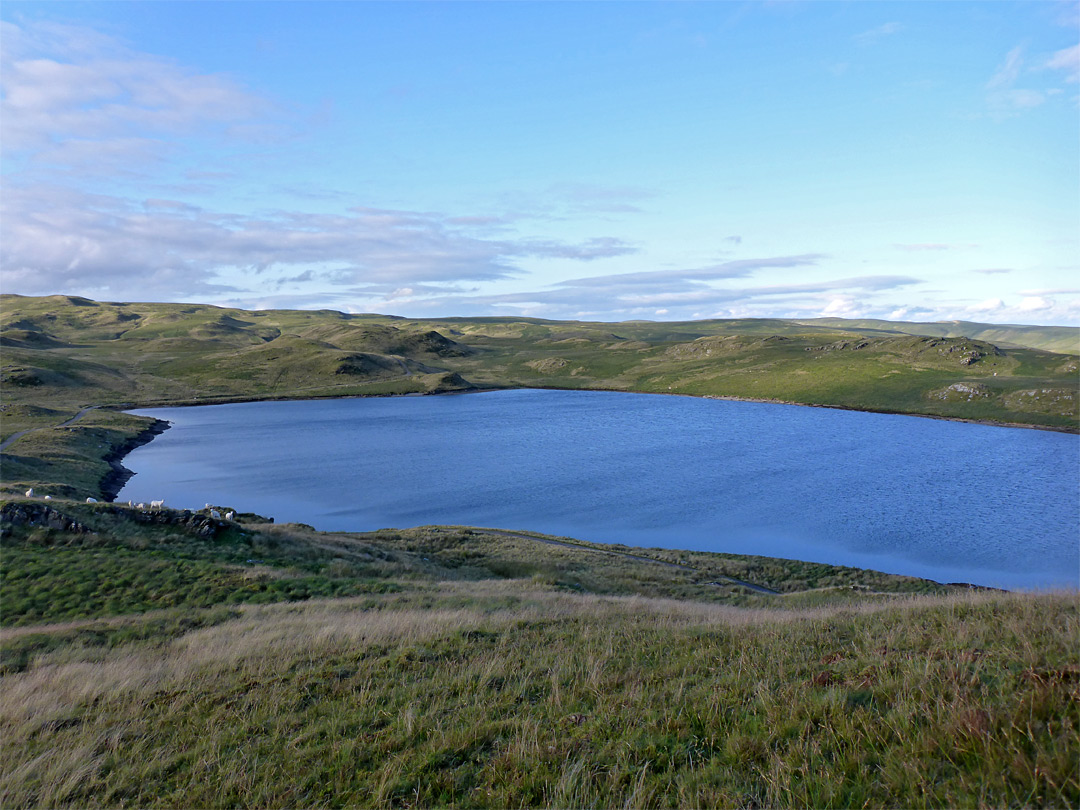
(1064, 339)
(60, 354)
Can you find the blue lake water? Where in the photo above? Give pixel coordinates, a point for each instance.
(946, 500)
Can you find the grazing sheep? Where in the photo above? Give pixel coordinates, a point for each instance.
(215, 514)
(30, 492)
(48, 497)
(157, 504)
(91, 500)
(140, 506)
(228, 515)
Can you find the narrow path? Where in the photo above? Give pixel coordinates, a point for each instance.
(15, 437)
(550, 542)
(8, 633)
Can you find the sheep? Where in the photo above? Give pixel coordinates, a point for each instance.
(140, 506)
(157, 504)
(228, 515)
(215, 514)
(91, 500)
(30, 492)
(48, 497)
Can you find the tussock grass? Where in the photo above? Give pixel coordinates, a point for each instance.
(131, 562)
(534, 697)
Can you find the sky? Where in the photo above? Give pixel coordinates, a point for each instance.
(601, 161)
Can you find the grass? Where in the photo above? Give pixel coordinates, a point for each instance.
(72, 461)
(149, 661)
(170, 659)
(130, 562)
(62, 353)
(508, 694)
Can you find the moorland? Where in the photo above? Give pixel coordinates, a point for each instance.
(177, 658)
(173, 659)
(62, 354)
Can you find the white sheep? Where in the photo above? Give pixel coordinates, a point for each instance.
(228, 515)
(30, 492)
(140, 506)
(157, 504)
(214, 513)
(91, 500)
(48, 497)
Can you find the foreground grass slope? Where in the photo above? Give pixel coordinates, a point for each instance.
(175, 659)
(61, 354)
(511, 695)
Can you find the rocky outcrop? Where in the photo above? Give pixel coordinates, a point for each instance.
(840, 346)
(37, 514)
(195, 522)
(547, 365)
(965, 391)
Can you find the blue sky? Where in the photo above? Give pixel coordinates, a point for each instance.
(601, 161)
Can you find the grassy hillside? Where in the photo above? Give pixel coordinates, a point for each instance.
(175, 659)
(61, 354)
(1063, 339)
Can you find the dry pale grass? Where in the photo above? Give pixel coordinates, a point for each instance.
(600, 684)
(266, 633)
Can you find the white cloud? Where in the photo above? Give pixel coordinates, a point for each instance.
(78, 99)
(843, 306)
(908, 313)
(61, 239)
(1006, 75)
(680, 298)
(1034, 303)
(739, 268)
(1002, 95)
(1052, 291)
(602, 247)
(989, 305)
(1068, 60)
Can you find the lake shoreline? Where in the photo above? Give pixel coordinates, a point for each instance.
(428, 508)
(118, 475)
(478, 389)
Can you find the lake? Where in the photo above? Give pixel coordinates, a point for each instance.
(945, 500)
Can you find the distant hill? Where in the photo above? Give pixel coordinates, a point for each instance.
(61, 354)
(1063, 339)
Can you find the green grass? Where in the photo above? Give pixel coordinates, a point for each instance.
(131, 562)
(147, 662)
(61, 354)
(55, 584)
(531, 698)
